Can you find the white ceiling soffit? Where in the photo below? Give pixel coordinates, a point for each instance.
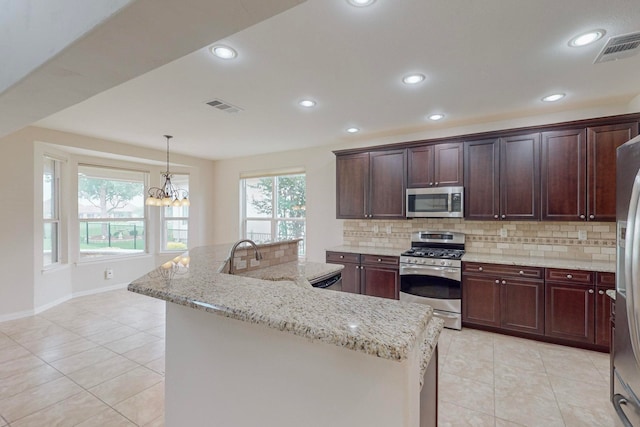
(35, 31)
(138, 38)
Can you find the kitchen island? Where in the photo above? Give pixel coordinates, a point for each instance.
(243, 351)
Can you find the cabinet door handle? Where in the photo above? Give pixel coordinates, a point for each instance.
(341, 256)
(592, 217)
(430, 184)
(497, 281)
(601, 292)
(504, 216)
(590, 291)
(569, 276)
(504, 282)
(437, 183)
(495, 216)
(480, 268)
(521, 273)
(581, 216)
(379, 260)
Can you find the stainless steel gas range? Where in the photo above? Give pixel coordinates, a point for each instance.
(431, 273)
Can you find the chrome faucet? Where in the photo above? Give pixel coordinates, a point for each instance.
(232, 254)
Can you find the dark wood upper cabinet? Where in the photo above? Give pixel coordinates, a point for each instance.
(579, 172)
(435, 165)
(482, 179)
(502, 178)
(352, 185)
(563, 175)
(520, 177)
(387, 184)
(602, 142)
(371, 185)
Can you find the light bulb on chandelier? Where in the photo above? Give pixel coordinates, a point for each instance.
(168, 194)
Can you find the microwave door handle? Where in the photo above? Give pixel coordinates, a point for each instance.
(450, 201)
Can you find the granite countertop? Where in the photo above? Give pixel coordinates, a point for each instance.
(311, 271)
(572, 264)
(380, 327)
(367, 250)
(611, 293)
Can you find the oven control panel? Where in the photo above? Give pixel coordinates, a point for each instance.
(429, 261)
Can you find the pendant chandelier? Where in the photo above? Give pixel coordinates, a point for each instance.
(168, 194)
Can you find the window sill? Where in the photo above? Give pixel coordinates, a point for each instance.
(109, 258)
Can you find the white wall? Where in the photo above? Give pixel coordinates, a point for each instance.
(25, 286)
(323, 229)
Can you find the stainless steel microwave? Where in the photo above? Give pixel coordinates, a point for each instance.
(436, 202)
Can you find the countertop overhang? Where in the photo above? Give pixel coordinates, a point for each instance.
(380, 327)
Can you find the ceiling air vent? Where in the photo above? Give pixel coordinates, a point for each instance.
(224, 106)
(619, 47)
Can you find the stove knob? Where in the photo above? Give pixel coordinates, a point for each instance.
(433, 262)
(443, 263)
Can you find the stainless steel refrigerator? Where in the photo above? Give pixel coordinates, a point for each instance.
(626, 351)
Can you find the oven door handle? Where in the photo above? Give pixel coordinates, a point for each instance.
(446, 272)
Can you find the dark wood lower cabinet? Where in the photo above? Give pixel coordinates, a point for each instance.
(502, 301)
(480, 300)
(372, 275)
(380, 282)
(562, 306)
(522, 305)
(569, 312)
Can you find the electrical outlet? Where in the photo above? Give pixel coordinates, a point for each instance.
(503, 232)
(582, 234)
(108, 273)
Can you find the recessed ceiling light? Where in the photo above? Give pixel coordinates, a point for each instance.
(308, 103)
(223, 52)
(412, 79)
(361, 3)
(436, 117)
(353, 130)
(554, 97)
(587, 38)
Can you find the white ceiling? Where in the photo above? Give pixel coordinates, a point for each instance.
(483, 60)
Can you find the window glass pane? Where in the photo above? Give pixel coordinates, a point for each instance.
(110, 193)
(259, 194)
(291, 198)
(176, 234)
(258, 231)
(181, 182)
(50, 243)
(100, 238)
(48, 189)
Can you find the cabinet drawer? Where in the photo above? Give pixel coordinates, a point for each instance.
(340, 257)
(380, 260)
(503, 270)
(573, 276)
(606, 279)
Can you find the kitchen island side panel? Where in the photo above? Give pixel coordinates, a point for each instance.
(222, 371)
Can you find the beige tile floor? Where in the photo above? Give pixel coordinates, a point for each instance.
(99, 361)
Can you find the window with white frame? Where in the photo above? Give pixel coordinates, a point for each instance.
(274, 208)
(51, 211)
(175, 220)
(111, 211)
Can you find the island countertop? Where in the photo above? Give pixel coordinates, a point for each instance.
(380, 327)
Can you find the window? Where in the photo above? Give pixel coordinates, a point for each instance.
(51, 211)
(274, 208)
(175, 220)
(110, 211)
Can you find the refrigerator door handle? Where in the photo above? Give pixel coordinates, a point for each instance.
(632, 254)
(618, 401)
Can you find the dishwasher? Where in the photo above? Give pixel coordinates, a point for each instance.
(333, 282)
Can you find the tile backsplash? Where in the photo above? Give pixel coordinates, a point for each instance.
(272, 254)
(523, 238)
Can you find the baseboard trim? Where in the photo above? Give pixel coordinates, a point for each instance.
(99, 290)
